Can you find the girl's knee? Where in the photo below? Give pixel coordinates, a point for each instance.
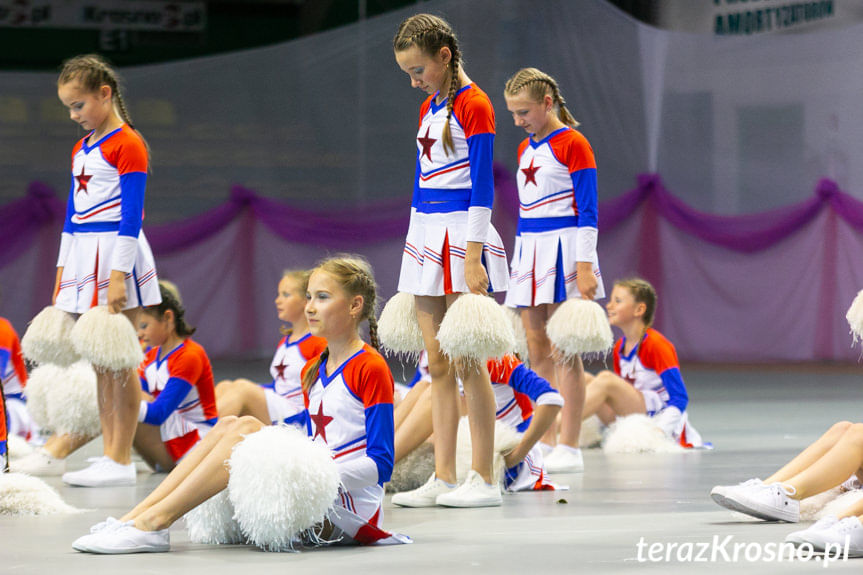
(855, 432)
(841, 427)
(248, 424)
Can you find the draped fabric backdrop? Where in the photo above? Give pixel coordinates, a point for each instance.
(271, 158)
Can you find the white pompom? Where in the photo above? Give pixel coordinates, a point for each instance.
(107, 340)
(40, 388)
(580, 327)
(281, 484)
(73, 404)
(855, 317)
(475, 328)
(398, 329)
(591, 432)
(212, 522)
(17, 447)
(811, 508)
(514, 317)
(638, 433)
(842, 502)
(22, 494)
(505, 440)
(413, 470)
(47, 338)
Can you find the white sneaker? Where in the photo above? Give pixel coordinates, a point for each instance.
(110, 524)
(847, 531)
(721, 490)
(105, 472)
(564, 459)
(851, 484)
(804, 535)
(40, 462)
(769, 502)
(425, 495)
(127, 539)
(474, 492)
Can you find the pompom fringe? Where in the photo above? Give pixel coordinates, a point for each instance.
(474, 329)
(580, 327)
(47, 339)
(17, 447)
(73, 405)
(591, 432)
(637, 433)
(505, 440)
(398, 329)
(212, 522)
(22, 494)
(811, 508)
(281, 484)
(413, 470)
(107, 340)
(520, 348)
(40, 389)
(841, 503)
(855, 317)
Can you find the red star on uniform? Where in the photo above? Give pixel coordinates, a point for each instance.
(321, 422)
(427, 144)
(281, 369)
(530, 173)
(82, 181)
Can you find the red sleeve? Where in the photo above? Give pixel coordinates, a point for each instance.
(521, 148)
(370, 379)
(616, 355)
(148, 359)
(424, 108)
(572, 150)
(312, 346)
(18, 361)
(657, 353)
(126, 151)
(474, 112)
(75, 150)
(500, 369)
(187, 365)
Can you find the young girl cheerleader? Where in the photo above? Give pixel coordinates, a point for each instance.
(178, 406)
(515, 387)
(282, 399)
(104, 257)
(646, 377)
(349, 392)
(555, 246)
(13, 377)
(451, 247)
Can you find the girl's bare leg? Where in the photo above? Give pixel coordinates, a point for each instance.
(404, 408)
(539, 352)
(148, 443)
(480, 412)
(811, 454)
(416, 426)
(833, 467)
(570, 377)
(242, 397)
(607, 389)
(61, 446)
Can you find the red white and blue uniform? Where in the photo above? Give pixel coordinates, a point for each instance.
(102, 231)
(557, 223)
(453, 197)
(351, 412)
(284, 394)
(181, 381)
(13, 375)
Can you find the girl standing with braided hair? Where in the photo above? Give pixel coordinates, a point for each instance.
(451, 247)
(104, 257)
(555, 246)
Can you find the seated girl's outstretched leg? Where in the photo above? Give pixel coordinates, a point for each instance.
(208, 477)
(406, 406)
(242, 397)
(832, 468)
(609, 389)
(149, 445)
(811, 454)
(416, 425)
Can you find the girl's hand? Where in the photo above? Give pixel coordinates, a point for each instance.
(117, 291)
(585, 281)
(476, 277)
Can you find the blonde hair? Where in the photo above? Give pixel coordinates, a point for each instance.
(354, 275)
(642, 292)
(301, 278)
(92, 71)
(430, 33)
(538, 85)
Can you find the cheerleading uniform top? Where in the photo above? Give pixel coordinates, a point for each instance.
(557, 188)
(180, 380)
(107, 193)
(515, 386)
(652, 367)
(13, 372)
(287, 366)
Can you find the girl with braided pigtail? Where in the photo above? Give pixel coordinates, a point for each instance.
(555, 246)
(104, 257)
(451, 247)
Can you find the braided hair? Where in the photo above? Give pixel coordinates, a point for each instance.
(539, 85)
(430, 33)
(354, 275)
(171, 301)
(92, 72)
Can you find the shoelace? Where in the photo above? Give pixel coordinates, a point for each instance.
(110, 523)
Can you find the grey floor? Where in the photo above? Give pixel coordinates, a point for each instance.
(756, 418)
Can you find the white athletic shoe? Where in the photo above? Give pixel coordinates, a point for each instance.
(425, 495)
(41, 463)
(127, 539)
(804, 535)
(105, 472)
(474, 492)
(109, 524)
(847, 531)
(564, 459)
(769, 502)
(721, 490)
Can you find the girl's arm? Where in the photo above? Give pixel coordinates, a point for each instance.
(543, 417)
(478, 123)
(65, 240)
(158, 411)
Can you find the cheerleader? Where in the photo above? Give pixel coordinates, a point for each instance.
(282, 399)
(451, 247)
(13, 375)
(555, 246)
(349, 394)
(104, 257)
